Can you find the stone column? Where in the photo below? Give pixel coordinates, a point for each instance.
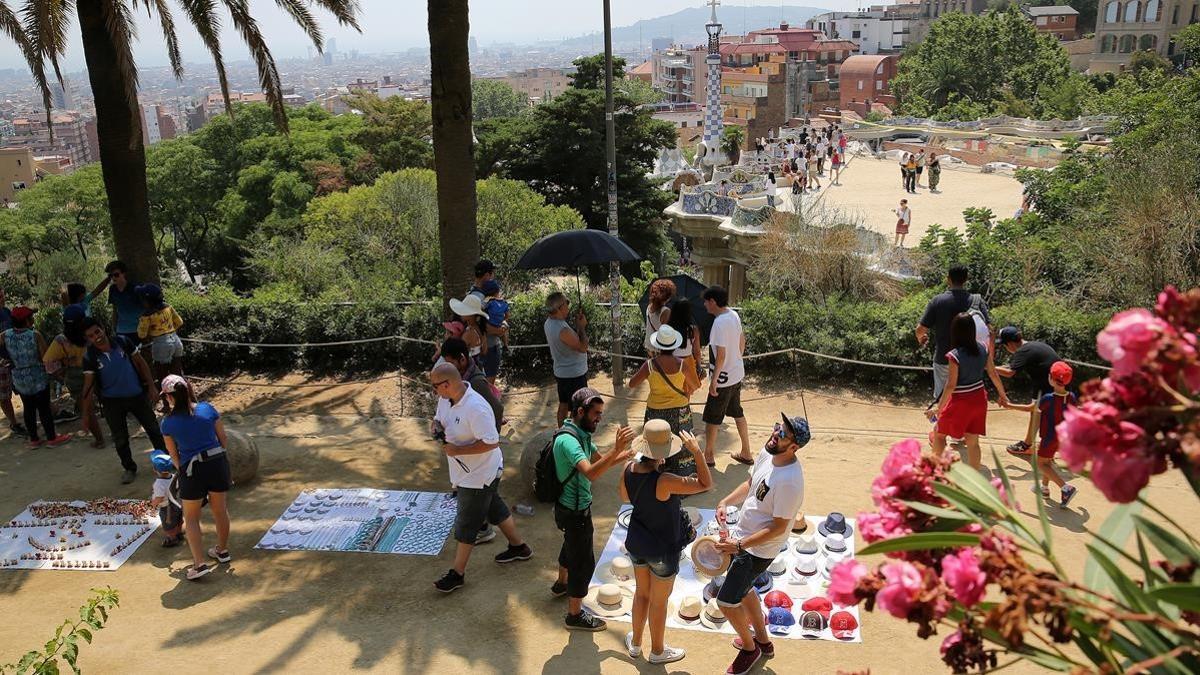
(716, 274)
(737, 282)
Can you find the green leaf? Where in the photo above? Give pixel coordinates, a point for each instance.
(960, 500)
(1183, 596)
(1116, 529)
(1176, 550)
(974, 484)
(85, 634)
(945, 514)
(922, 541)
(1047, 542)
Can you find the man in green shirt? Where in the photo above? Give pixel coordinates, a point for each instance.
(578, 463)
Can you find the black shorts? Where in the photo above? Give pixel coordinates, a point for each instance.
(740, 576)
(728, 401)
(209, 476)
(567, 386)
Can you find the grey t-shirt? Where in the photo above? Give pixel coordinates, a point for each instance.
(567, 361)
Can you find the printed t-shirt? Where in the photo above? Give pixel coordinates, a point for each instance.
(466, 421)
(1053, 407)
(114, 369)
(568, 452)
(164, 321)
(727, 332)
(775, 492)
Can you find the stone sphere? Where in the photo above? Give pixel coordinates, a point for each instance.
(243, 456)
(529, 457)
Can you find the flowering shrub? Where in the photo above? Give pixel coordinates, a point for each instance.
(960, 557)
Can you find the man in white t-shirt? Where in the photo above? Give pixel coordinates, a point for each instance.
(727, 342)
(466, 426)
(769, 502)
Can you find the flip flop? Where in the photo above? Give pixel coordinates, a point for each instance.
(741, 460)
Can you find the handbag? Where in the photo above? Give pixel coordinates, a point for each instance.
(677, 390)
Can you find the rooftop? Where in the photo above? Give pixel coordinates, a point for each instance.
(1052, 10)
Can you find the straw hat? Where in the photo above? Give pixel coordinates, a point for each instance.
(468, 306)
(618, 571)
(666, 339)
(656, 441)
(712, 616)
(686, 610)
(800, 524)
(707, 559)
(608, 600)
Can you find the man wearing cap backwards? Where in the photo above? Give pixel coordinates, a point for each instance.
(769, 502)
(1034, 360)
(467, 428)
(578, 462)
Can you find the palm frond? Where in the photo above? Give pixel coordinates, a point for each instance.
(11, 26)
(167, 23)
(46, 23)
(298, 9)
(345, 11)
(203, 16)
(268, 73)
(118, 20)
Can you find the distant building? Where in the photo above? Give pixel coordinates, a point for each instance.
(61, 97)
(674, 73)
(537, 84)
(196, 117)
(797, 44)
(16, 172)
(879, 30)
(70, 137)
(92, 138)
(866, 80)
(642, 71)
(360, 85)
(660, 44)
(1126, 26)
(472, 45)
(150, 130)
(1056, 20)
(755, 97)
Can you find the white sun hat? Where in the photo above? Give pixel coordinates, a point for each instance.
(468, 306)
(609, 601)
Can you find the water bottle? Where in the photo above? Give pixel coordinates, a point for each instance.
(524, 509)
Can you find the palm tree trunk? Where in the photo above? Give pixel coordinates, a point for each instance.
(122, 155)
(453, 152)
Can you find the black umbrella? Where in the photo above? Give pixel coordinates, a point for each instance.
(689, 290)
(575, 248)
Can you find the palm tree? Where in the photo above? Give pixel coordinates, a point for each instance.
(453, 153)
(108, 29)
(947, 76)
(731, 142)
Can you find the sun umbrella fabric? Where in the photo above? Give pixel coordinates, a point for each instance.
(689, 289)
(576, 248)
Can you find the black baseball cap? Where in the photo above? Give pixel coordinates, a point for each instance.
(1008, 334)
(583, 397)
(483, 267)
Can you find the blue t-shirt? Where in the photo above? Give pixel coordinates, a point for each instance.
(128, 306)
(193, 434)
(497, 310)
(5, 318)
(115, 371)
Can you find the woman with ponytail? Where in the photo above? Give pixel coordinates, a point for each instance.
(195, 439)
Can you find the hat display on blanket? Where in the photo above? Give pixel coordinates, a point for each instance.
(806, 545)
(656, 441)
(834, 543)
(835, 522)
(713, 587)
(831, 561)
(687, 610)
(712, 616)
(763, 583)
(800, 524)
(619, 571)
(778, 599)
(843, 625)
(707, 559)
(778, 566)
(819, 604)
(804, 571)
(608, 600)
(666, 339)
(812, 624)
(623, 517)
(780, 621)
(732, 513)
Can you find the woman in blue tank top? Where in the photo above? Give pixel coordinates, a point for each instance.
(654, 539)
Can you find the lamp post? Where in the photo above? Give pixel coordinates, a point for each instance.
(610, 137)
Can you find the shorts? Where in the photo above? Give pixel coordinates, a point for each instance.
(5, 383)
(941, 373)
(73, 381)
(567, 386)
(166, 348)
(740, 576)
(663, 567)
(491, 361)
(728, 401)
(680, 418)
(208, 476)
(965, 414)
(477, 506)
(1047, 450)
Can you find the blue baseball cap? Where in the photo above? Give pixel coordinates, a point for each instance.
(161, 461)
(780, 620)
(73, 313)
(798, 426)
(1008, 334)
(490, 287)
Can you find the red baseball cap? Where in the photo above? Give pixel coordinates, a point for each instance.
(842, 625)
(1061, 372)
(819, 604)
(777, 599)
(22, 313)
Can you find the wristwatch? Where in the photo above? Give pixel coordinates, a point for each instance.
(739, 546)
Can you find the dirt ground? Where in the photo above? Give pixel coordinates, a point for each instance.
(332, 612)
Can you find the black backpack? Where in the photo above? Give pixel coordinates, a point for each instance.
(546, 486)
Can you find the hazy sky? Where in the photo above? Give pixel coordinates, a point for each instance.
(401, 24)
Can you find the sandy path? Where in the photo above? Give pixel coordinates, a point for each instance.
(310, 612)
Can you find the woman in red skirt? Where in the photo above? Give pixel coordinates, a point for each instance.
(962, 410)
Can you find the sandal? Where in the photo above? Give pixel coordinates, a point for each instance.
(196, 571)
(741, 460)
(219, 556)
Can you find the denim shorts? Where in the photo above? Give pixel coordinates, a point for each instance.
(663, 567)
(166, 348)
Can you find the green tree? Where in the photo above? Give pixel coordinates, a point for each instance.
(396, 132)
(732, 139)
(493, 98)
(1188, 40)
(108, 30)
(638, 91)
(1142, 61)
(185, 185)
(589, 71)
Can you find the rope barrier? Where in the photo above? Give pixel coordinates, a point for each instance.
(1088, 365)
(307, 345)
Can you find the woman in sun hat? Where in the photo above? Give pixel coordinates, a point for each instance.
(470, 312)
(655, 537)
(670, 388)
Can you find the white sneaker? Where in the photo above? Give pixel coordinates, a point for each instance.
(668, 655)
(634, 650)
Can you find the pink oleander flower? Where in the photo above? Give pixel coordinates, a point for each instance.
(1003, 493)
(886, 524)
(1085, 431)
(951, 640)
(902, 584)
(1121, 476)
(960, 572)
(901, 460)
(1130, 339)
(843, 580)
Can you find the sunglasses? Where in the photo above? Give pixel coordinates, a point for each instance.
(783, 433)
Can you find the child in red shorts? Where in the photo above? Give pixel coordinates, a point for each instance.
(1053, 406)
(961, 412)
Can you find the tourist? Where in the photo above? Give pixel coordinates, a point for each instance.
(903, 221)
(25, 347)
(684, 324)
(6, 405)
(568, 350)
(1033, 360)
(822, 152)
(797, 191)
(904, 171)
(939, 313)
(935, 171)
(157, 327)
(841, 140)
(195, 439)
(814, 182)
(655, 538)
(113, 368)
(727, 342)
(465, 425)
(496, 308)
(835, 164)
(578, 463)
(127, 306)
(669, 379)
(470, 313)
(77, 294)
(961, 412)
(723, 188)
(919, 160)
(910, 173)
(768, 503)
(64, 361)
(658, 308)
(170, 511)
(771, 188)
(497, 335)
(1053, 407)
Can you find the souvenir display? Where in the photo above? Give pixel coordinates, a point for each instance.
(364, 520)
(97, 535)
(792, 589)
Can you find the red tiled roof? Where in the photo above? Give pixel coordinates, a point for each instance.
(754, 48)
(646, 68)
